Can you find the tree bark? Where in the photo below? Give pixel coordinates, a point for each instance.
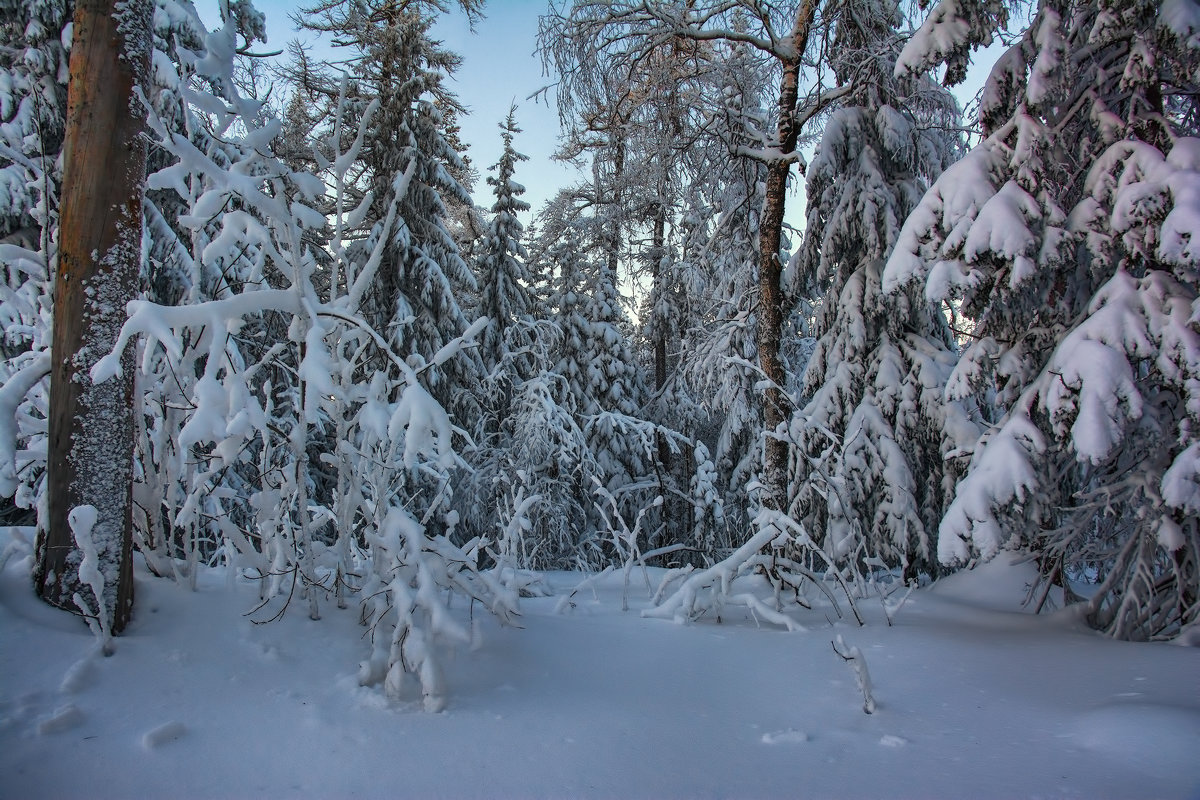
(658, 247)
(770, 270)
(90, 458)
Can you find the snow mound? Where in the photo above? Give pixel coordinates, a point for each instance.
(78, 676)
(1189, 636)
(63, 719)
(789, 736)
(1000, 584)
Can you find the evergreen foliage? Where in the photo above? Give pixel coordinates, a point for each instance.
(505, 285)
(874, 463)
(1064, 236)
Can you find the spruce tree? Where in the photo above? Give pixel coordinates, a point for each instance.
(1065, 237)
(407, 163)
(505, 286)
(874, 461)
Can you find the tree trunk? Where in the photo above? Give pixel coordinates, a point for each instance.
(658, 333)
(770, 270)
(658, 249)
(90, 456)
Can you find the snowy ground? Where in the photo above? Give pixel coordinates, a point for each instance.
(975, 699)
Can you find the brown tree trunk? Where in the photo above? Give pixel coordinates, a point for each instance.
(770, 269)
(658, 249)
(91, 424)
(671, 505)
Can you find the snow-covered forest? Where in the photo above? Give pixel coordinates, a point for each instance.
(257, 327)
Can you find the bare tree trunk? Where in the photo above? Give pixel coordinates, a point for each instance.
(671, 505)
(770, 270)
(90, 455)
(658, 249)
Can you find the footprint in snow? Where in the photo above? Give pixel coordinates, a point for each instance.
(78, 676)
(63, 719)
(888, 740)
(163, 734)
(789, 736)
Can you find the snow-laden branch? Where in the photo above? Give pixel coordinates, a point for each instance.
(163, 324)
(854, 657)
(709, 589)
(12, 394)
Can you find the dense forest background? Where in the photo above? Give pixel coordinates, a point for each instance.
(330, 370)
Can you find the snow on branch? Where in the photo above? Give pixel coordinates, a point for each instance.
(766, 553)
(854, 657)
(952, 29)
(12, 394)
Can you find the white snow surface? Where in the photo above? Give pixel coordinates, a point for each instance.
(975, 698)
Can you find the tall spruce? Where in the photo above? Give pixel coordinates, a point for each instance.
(876, 446)
(505, 286)
(407, 163)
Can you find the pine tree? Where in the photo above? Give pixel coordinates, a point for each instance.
(568, 263)
(407, 163)
(1064, 235)
(514, 350)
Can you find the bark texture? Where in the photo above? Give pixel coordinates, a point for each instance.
(91, 425)
(772, 299)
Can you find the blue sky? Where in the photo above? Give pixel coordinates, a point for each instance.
(500, 67)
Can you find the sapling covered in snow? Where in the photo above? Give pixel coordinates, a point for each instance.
(546, 455)
(707, 507)
(1066, 237)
